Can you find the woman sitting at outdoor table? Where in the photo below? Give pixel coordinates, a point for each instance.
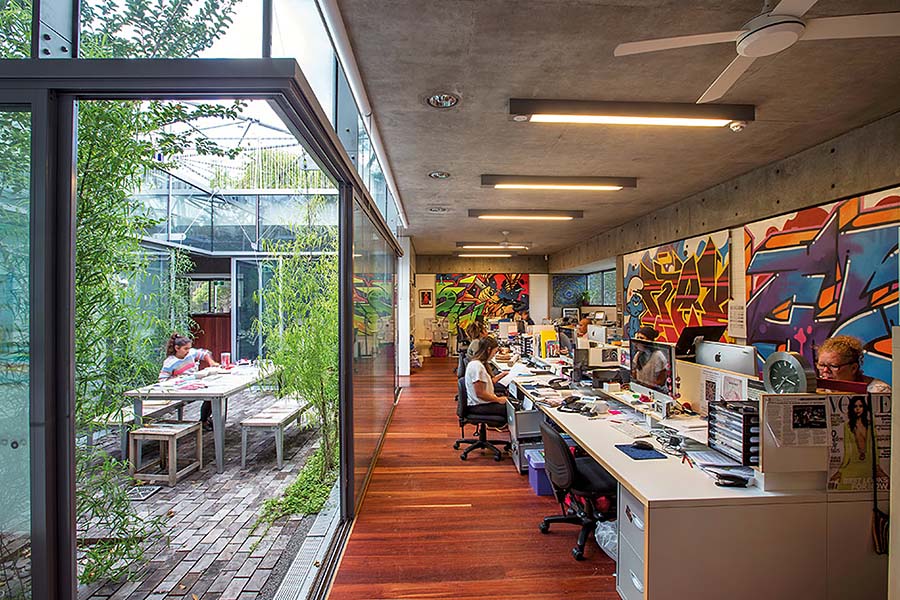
(183, 359)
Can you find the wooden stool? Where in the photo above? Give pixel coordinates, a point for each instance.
(275, 418)
(167, 434)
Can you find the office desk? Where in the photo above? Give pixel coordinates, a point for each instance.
(682, 537)
(218, 388)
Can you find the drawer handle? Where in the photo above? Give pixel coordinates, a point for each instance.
(635, 582)
(633, 518)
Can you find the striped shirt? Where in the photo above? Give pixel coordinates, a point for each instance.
(174, 366)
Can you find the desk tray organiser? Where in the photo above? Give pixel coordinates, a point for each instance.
(734, 430)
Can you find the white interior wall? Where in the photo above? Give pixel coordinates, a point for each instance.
(539, 296)
(404, 322)
(423, 282)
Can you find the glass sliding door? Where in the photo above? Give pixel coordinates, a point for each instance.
(15, 351)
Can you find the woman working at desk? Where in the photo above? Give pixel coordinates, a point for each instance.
(183, 359)
(479, 385)
(840, 357)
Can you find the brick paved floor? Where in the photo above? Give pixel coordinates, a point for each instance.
(212, 553)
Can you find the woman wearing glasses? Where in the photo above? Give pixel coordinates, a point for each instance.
(840, 357)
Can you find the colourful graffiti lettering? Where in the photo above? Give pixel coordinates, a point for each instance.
(825, 271)
(463, 298)
(676, 285)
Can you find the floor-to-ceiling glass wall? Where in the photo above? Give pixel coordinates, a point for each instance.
(374, 335)
(15, 353)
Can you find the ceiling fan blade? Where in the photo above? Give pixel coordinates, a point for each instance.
(794, 8)
(853, 26)
(726, 79)
(684, 41)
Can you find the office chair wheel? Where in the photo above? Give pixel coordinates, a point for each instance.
(498, 457)
(544, 527)
(463, 456)
(578, 554)
(456, 445)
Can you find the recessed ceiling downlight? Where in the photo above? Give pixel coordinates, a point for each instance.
(437, 210)
(439, 175)
(442, 100)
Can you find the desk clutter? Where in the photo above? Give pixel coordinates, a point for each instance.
(749, 471)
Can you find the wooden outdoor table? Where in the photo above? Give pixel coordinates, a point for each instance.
(216, 389)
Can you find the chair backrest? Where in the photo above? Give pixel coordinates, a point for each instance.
(463, 363)
(462, 398)
(559, 463)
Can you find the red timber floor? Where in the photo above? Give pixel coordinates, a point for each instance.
(433, 526)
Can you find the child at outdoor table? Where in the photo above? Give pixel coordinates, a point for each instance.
(183, 359)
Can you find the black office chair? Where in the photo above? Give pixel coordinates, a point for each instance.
(582, 481)
(480, 422)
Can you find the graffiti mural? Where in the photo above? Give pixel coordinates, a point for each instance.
(568, 289)
(373, 301)
(462, 298)
(676, 285)
(825, 271)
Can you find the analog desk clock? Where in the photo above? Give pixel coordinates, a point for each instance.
(788, 373)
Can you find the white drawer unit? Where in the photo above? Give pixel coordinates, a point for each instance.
(629, 572)
(632, 525)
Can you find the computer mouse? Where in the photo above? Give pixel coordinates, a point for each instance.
(642, 445)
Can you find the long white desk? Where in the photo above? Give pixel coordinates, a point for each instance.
(683, 537)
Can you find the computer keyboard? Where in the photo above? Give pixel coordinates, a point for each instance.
(631, 430)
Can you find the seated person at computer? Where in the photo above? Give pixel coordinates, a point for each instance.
(479, 385)
(525, 316)
(646, 333)
(582, 329)
(475, 331)
(840, 357)
(652, 365)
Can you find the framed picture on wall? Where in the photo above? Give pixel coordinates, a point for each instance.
(426, 298)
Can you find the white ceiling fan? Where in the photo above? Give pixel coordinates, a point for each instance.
(771, 32)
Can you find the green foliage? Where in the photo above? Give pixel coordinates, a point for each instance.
(15, 25)
(307, 494)
(274, 169)
(299, 325)
(119, 332)
(152, 29)
(114, 538)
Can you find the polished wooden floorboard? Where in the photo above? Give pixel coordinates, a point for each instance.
(433, 526)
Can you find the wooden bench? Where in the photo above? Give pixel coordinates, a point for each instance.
(124, 419)
(167, 434)
(274, 418)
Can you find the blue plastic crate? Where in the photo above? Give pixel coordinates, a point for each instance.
(536, 475)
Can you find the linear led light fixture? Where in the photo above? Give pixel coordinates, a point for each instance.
(673, 114)
(526, 215)
(491, 246)
(541, 182)
(482, 255)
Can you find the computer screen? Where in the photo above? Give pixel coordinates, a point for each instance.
(652, 365)
(709, 333)
(731, 357)
(597, 333)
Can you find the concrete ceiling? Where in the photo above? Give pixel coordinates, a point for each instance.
(488, 51)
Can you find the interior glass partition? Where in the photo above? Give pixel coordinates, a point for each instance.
(15, 351)
(374, 335)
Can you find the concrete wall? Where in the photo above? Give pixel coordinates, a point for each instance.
(431, 263)
(862, 160)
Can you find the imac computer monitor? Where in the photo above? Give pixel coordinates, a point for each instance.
(731, 357)
(685, 344)
(652, 368)
(597, 333)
